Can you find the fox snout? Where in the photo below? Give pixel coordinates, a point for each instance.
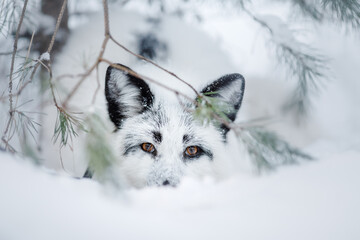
(164, 175)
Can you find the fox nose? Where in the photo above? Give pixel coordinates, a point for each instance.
(166, 182)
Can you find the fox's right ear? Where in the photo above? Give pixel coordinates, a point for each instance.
(126, 95)
(230, 90)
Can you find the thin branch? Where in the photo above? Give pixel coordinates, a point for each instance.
(57, 26)
(106, 18)
(87, 73)
(135, 74)
(13, 56)
(258, 20)
(156, 65)
(102, 51)
(11, 74)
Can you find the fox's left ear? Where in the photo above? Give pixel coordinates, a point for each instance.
(126, 95)
(229, 89)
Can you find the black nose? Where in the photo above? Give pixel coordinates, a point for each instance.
(166, 182)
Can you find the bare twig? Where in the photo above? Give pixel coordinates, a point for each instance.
(11, 75)
(13, 56)
(87, 73)
(63, 7)
(101, 54)
(106, 18)
(258, 20)
(156, 65)
(135, 74)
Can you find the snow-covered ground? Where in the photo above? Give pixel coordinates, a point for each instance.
(318, 200)
(313, 200)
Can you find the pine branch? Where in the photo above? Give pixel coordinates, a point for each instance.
(347, 11)
(268, 150)
(302, 62)
(7, 16)
(10, 88)
(210, 109)
(308, 69)
(101, 158)
(308, 8)
(66, 126)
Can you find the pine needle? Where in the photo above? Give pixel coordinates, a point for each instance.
(99, 151)
(347, 11)
(65, 127)
(268, 150)
(308, 69)
(208, 107)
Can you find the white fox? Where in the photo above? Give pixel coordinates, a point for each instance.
(159, 141)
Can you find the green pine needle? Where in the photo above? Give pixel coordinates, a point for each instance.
(308, 69)
(347, 11)
(268, 150)
(65, 127)
(99, 151)
(211, 109)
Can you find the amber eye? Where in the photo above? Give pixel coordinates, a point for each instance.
(191, 151)
(148, 147)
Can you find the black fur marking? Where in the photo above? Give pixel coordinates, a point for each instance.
(225, 83)
(115, 108)
(187, 138)
(208, 153)
(150, 46)
(157, 137)
(88, 173)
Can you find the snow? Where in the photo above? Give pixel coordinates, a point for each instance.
(313, 200)
(319, 200)
(45, 56)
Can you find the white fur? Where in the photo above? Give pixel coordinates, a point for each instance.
(141, 169)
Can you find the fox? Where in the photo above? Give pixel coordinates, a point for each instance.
(160, 141)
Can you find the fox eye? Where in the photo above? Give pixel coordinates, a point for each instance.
(191, 151)
(148, 147)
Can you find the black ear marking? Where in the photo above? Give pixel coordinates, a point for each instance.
(230, 89)
(126, 95)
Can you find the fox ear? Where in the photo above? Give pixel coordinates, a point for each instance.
(126, 95)
(229, 89)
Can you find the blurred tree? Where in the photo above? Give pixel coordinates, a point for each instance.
(50, 11)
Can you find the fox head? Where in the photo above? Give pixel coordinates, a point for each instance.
(159, 142)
